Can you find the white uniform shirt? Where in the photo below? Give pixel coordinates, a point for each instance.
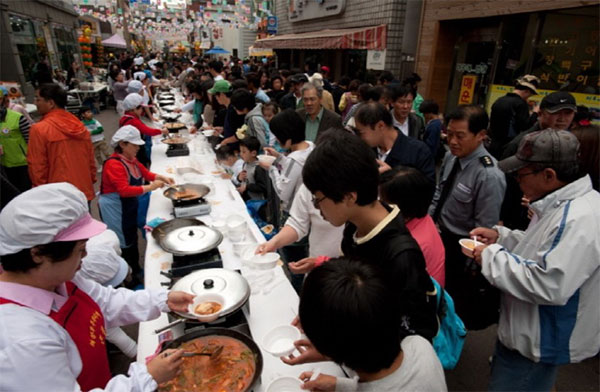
(288, 181)
(324, 239)
(37, 354)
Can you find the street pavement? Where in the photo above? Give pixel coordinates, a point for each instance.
(473, 370)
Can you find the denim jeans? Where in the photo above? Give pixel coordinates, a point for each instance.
(511, 371)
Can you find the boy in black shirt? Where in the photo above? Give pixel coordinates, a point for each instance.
(253, 179)
(342, 174)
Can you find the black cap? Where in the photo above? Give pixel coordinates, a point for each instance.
(557, 101)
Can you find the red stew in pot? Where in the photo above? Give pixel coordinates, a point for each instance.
(230, 371)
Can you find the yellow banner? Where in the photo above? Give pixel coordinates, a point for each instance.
(592, 101)
(467, 89)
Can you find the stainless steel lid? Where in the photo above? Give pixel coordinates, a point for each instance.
(186, 236)
(230, 284)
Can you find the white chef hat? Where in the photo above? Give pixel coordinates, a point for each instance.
(138, 60)
(135, 86)
(127, 133)
(132, 101)
(102, 263)
(44, 214)
(140, 75)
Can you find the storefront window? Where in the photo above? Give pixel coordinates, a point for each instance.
(66, 45)
(24, 37)
(566, 55)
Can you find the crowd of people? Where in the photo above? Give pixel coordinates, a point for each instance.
(369, 191)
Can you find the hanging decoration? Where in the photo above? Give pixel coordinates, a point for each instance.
(100, 52)
(156, 23)
(85, 46)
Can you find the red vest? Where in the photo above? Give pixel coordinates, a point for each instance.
(82, 318)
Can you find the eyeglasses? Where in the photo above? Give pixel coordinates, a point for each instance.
(519, 177)
(318, 201)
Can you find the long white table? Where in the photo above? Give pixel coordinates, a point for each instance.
(267, 310)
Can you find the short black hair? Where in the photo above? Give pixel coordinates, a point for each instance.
(363, 91)
(239, 83)
(475, 115)
(371, 113)
(342, 163)
(396, 92)
(354, 85)
(216, 65)
(409, 189)
(251, 143)
(83, 110)
(386, 76)
(288, 125)
(22, 261)
(54, 92)
(243, 99)
(253, 78)
(270, 105)
(224, 152)
(194, 87)
(344, 81)
(346, 310)
(429, 106)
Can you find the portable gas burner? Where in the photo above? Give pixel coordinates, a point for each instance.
(178, 150)
(184, 208)
(229, 284)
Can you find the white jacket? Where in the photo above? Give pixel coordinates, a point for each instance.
(549, 276)
(37, 354)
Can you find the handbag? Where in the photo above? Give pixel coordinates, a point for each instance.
(450, 339)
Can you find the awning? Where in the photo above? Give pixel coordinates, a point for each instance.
(116, 41)
(374, 38)
(260, 52)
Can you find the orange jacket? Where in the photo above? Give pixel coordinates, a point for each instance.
(60, 150)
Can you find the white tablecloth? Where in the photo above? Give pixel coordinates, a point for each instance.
(267, 311)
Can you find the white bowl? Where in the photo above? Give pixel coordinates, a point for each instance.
(212, 297)
(266, 159)
(236, 222)
(285, 384)
(467, 245)
(280, 340)
(266, 261)
(220, 225)
(208, 132)
(240, 247)
(236, 235)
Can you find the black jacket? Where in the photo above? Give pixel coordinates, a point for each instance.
(509, 117)
(288, 101)
(408, 151)
(416, 126)
(395, 251)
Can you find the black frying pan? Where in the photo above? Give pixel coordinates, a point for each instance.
(200, 189)
(224, 332)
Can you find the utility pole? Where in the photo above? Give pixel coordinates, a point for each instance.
(126, 36)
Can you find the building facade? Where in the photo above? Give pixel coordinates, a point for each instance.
(32, 32)
(346, 35)
(472, 52)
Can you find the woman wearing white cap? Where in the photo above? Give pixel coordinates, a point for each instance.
(122, 182)
(52, 323)
(133, 107)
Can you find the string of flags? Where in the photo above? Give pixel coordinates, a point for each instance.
(154, 22)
